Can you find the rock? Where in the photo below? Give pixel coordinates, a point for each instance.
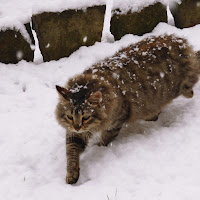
(138, 23)
(14, 47)
(187, 14)
(60, 34)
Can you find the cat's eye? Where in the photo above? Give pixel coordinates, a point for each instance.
(69, 117)
(86, 118)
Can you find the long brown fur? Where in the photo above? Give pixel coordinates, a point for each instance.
(135, 83)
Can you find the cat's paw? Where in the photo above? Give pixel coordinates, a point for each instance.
(72, 177)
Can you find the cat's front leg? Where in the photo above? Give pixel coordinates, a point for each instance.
(75, 146)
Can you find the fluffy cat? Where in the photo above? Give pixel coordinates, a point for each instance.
(135, 83)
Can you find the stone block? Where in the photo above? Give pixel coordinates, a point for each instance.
(137, 23)
(14, 47)
(60, 34)
(187, 14)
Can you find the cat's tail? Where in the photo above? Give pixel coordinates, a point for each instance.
(187, 88)
(198, 58)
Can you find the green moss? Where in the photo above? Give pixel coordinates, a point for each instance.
(138, 23)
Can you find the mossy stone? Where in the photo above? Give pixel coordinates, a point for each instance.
(14, 47)
(187, 14)
(138, 23)
(60, 34)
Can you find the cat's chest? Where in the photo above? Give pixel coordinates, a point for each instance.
(95, 139)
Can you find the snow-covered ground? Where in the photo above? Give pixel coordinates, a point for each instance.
(149, 160)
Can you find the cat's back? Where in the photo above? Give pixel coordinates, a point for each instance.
(151, 73)
(152, 56)
(162, 65)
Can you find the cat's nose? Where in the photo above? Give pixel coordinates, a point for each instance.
(77, 128)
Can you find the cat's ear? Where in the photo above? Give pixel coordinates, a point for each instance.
(96, 98)
(62, 91)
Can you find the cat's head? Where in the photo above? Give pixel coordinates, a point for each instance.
(80, 111)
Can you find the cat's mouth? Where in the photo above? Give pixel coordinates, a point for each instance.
(78, 131)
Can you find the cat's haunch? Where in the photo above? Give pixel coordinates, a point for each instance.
(135, 83)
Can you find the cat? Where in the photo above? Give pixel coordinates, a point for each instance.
(135, 83)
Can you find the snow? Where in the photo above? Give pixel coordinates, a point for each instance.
(148, 160)
(61, 5)
(85, 39)
(138, 5)
(162, 75)
(22, 10)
